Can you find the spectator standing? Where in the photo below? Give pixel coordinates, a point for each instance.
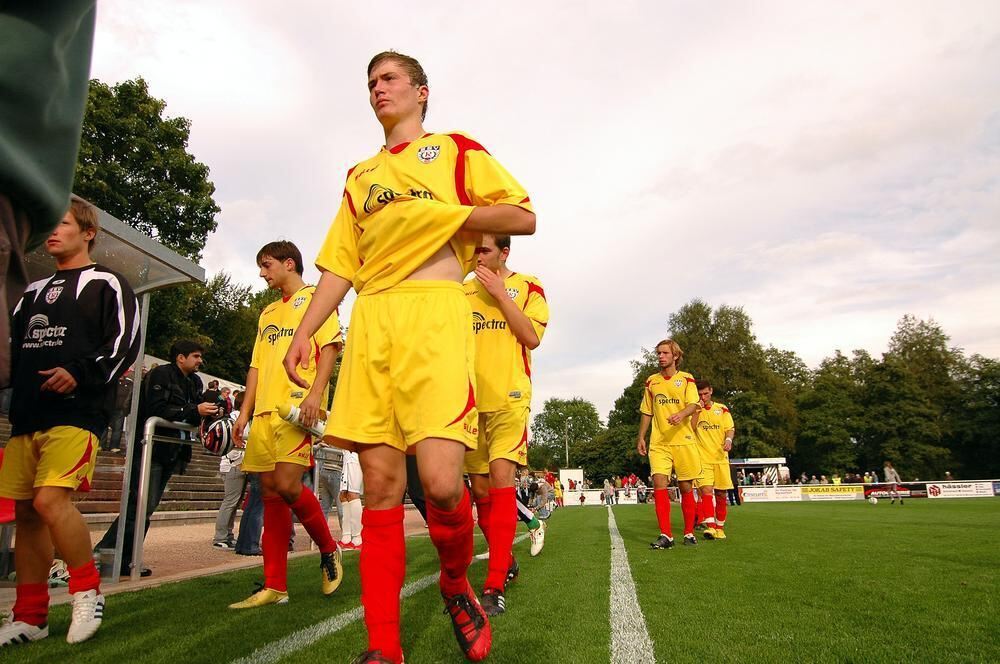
(226, 400)
(235, 483)
(123, 402)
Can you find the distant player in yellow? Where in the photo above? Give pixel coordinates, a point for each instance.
(509, 316)
(715, 431)
(668, 401)
(276, 449)
(405, 237)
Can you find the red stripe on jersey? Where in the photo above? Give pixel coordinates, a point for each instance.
(524, 440)
(305, 441)
(526, 199)
(317, 352)
(84, 460)
(469, 405)
(541, 323)
(350, 203)
(464, 144)
(690, 380)
(399, 148)
(524, 357)
(725, 410)
(535, 288)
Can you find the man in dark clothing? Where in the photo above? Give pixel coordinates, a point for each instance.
(173, 392)
(112, 440)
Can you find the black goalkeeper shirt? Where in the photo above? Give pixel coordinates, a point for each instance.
(85, 321)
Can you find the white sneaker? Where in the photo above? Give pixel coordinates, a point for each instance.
(537, 538)
(15, 632)
(88, 612)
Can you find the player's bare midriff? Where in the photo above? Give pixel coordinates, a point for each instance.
(442, 266)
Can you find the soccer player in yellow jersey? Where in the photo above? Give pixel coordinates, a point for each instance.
(405, 237)
(276, 449)
(509, 316)
(668, 401)
(715, 431)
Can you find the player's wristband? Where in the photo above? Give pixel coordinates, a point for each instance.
(729, 440)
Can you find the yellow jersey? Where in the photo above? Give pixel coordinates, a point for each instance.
(275, 327)
(503, 364)
(402, 205)
(713, 423)
(661, 398)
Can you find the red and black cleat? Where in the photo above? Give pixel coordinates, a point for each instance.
(472, 627)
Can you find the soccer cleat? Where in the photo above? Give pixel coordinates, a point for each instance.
(226, 544)
(14, 632)
(58, 574)
(472, 627)
(262, 597)
(332, 569)
(371, 657)
(690, 539)
(708, 533)
(512, 572)
(88, 613)
(718, 534)
(493, 602)
(537, 539)
(662, 542)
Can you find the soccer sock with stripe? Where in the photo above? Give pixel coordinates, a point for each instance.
(720, 512)
(662, 498)
(311, 516)
(451, 532)
(32, 603)
(356, 525)
(503, 525)
(274, 542)
(84, 578)
(383, 568)
(687, 509)
(483, 511)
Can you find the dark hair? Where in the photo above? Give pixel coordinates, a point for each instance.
(281, 250)
(416, 72)
(213, 384)
(238, 401)
(85, 215)
(702, 383)
(502, 241)
(185, 347)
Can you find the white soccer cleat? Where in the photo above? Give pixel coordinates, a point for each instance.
(14, 632)
(537, 539)
(88, 612)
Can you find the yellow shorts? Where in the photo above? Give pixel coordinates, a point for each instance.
(60, 456)
(684, 460)
(273, 440)
(502, 435)
(408, 371)
(716, 475)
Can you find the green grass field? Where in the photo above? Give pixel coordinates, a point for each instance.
(794, 582)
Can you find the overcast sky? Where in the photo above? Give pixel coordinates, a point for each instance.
(827, 166)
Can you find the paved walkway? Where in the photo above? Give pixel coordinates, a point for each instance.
(178, 552)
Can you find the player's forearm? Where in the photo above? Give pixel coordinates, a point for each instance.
(730, 434)
(330, 292)
(501, 219)
(644, 421)
(689, 410)
(324, 369)
(519, 324)
(250, 394)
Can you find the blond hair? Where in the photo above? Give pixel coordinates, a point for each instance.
(675, 348)
(85, 216)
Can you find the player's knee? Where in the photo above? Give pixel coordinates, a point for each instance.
(442, 494)
(49, 505)
(25, 513)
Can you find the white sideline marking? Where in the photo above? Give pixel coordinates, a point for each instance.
(630, 640)
(303, 638)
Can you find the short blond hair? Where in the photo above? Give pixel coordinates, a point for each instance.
(675, 348)
(85, 215)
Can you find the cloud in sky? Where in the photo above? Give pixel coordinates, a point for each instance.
(827, 167)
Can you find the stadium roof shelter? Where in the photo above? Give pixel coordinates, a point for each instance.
(148, 266)
(774, 468)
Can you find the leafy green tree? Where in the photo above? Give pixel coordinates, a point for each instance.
(975, 444)
(830, 418)
(560, 421)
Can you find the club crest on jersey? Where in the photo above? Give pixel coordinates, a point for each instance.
(428, 153)
(298, 301)
(717, 411)
(513, 293)
(678, 382)
(53, 294)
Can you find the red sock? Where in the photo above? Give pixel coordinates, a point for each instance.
(451, 533)
(662, 498)
(687, 509)
(311, 516)
(274, 543)
(721, 506)
(503, 525)
(707, 507)
(383, 567)
(483, 508)
(84, 578)
(32, 603)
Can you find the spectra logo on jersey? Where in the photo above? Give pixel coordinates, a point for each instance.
(379, 196)
(663, 400)
(40, 334)
(272, 333)
(480, 322)
(706, 426)
(428, 153)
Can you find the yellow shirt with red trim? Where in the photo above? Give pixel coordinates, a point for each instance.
(275, 327)
(713, 423)
(402, 205)
(661, 398)
(503, 364)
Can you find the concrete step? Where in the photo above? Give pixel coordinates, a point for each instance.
(108, 507)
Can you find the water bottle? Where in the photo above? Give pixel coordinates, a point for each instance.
(292, 415)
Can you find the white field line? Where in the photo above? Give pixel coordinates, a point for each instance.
(630, 640)
(303, 638)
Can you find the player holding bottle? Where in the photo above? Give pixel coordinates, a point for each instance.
(405, 236)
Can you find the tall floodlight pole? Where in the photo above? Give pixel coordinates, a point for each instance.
(566, 437)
